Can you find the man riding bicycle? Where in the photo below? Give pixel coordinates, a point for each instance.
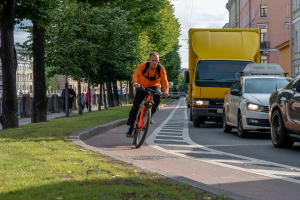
(148, 74)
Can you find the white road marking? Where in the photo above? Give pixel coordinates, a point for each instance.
(236, 159)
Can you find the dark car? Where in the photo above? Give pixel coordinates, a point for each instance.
(284, 115)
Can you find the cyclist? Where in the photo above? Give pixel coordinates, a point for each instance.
(148, 74)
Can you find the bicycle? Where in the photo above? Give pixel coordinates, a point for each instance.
(142, 122)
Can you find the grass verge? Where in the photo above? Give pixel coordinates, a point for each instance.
(37, 161)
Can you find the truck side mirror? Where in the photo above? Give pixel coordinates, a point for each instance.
(186, 77)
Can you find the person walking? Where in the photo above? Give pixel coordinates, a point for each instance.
(72, 96)
(82, 100)
(87, 100)
(149, 74)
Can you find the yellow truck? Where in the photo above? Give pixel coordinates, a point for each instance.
(216, 56)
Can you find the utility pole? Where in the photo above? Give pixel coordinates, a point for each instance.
(291, 42)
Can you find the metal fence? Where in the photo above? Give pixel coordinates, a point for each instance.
(54, 103)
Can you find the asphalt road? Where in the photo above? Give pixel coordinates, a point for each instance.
(240, 168)
(258, 145)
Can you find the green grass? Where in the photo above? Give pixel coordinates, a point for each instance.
(37, 161)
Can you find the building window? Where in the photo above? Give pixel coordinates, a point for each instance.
(296, 4)
(64, 78)
(263, 35)
(0, 77)
(30, 75)
(58, 87)
(296, 42)
(263, 11)
(263, 59)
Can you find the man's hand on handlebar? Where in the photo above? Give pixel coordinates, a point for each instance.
(166, 95)
(136, 85)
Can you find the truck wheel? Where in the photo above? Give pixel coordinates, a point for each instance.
(278, 131)
(196, 122)
(191, 114)
(242, 133)
(226, 128)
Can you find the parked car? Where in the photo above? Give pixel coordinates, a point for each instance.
(246, 105)
(284, 115)
(174, 95)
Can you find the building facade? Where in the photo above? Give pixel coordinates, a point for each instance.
(233, 7)
(296, 36)
(271, 17)
(24, 77)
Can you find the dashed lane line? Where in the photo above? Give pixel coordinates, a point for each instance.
(183, 146)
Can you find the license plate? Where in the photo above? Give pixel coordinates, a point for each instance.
(220, 110)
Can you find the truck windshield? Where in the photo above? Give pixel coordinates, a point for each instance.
(218, 73)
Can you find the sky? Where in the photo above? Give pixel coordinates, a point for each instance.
(198, 14)
(190, 14)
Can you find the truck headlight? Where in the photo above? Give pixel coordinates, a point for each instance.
(255, 107)
(201, 103)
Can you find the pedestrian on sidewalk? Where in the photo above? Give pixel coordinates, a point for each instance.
(82, 100)
(87, 100)
(149, 74)
(72, 96)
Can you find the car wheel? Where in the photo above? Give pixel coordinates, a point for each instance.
(242, 133)
(226, 128)
(196, 122)
(278, 131)
(191, 114)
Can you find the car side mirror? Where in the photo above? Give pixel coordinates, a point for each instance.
(186, 77)
(235, 92)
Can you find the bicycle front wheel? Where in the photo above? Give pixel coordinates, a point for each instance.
(141, 133)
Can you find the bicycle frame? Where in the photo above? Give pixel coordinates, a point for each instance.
(141, 122)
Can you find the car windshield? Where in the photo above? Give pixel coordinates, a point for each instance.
(264, 85)
(218, 73)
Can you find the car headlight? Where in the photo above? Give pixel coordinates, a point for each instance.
(201, 103)
(255, 107)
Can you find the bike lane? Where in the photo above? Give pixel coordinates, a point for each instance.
(169, 151)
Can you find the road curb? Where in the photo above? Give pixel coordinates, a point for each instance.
(96, 130)
(78, 137)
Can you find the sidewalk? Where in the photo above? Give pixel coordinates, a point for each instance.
(27, 120)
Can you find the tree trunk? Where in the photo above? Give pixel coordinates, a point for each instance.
(127, 91)
(104, 97)
(79, 96)
(67, 96)
(116, 94)
(100, 97)
(121, 92)
(131, 93)
(110, 97)
(89, 94)
(39, 106)
(9, 66)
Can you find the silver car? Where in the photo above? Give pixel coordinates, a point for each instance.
(246, 106)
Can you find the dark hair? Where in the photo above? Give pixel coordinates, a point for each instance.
(154, 53)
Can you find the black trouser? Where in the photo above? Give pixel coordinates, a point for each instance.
(71, 103)
(138, 99)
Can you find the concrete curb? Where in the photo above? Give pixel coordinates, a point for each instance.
(78, 137)
(96, 130)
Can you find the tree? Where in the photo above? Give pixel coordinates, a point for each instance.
(172, 63)
(9, 116)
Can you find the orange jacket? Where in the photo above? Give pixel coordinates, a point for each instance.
(137, 76)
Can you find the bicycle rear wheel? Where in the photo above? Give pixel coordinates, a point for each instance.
(141, 133)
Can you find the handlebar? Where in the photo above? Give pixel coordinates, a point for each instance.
(149, 90)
